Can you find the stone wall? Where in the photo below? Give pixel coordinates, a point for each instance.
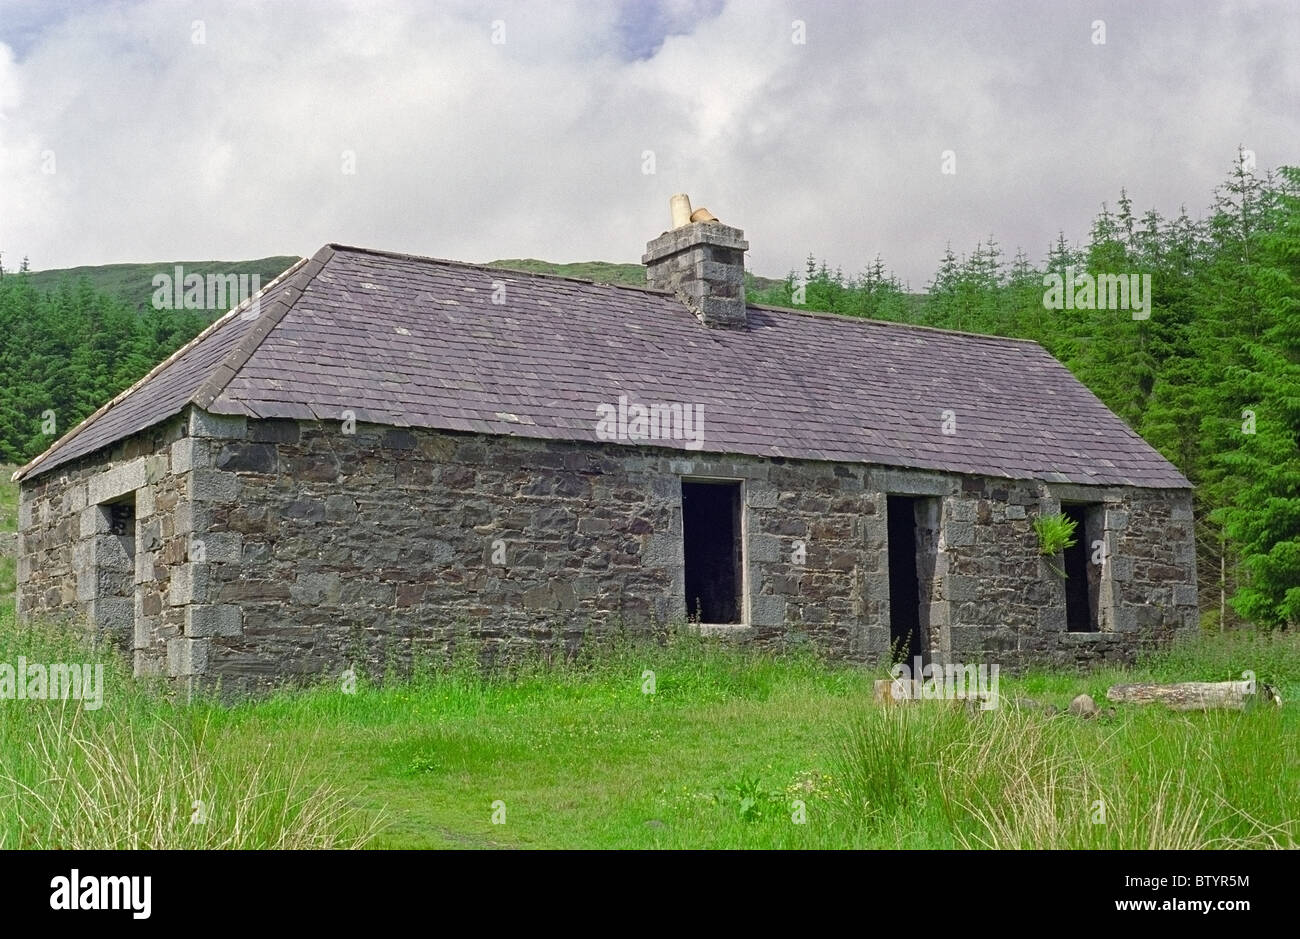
(72, 564)
(363, 549)
(269, 550)
(1006, 602)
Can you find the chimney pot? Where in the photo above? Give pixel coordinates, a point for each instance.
(680, 206)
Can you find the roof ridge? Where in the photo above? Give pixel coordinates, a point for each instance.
(822, 314)
(379, 252)
(849, 317)
(212, 327)
(301, 275)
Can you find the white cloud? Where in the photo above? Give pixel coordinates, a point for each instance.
(235, 148)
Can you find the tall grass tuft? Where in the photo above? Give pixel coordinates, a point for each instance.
(86, 785)
(143, 772)
(1021, 779)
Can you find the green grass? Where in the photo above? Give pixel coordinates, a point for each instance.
(579, 756)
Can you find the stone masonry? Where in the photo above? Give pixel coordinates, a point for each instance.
(272, 550)
(703, 264)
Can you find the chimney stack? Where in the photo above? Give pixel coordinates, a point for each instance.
(703, 262)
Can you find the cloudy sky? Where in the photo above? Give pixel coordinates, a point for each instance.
(149, 131)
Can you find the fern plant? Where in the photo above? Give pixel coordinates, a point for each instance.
(1055, 534)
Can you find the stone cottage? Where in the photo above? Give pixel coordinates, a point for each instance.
(380, 455)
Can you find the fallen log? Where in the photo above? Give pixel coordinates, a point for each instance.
(1195, 695)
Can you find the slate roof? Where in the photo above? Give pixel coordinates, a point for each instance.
(418, 342)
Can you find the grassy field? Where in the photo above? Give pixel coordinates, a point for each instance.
(716, 756)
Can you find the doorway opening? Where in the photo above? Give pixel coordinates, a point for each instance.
(111, 571)
(906, 632)
(1082, 579)
(711, 534)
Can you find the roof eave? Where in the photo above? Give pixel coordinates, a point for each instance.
(30, 469)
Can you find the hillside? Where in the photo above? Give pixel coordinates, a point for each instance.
(133, 283)
(603, 272)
